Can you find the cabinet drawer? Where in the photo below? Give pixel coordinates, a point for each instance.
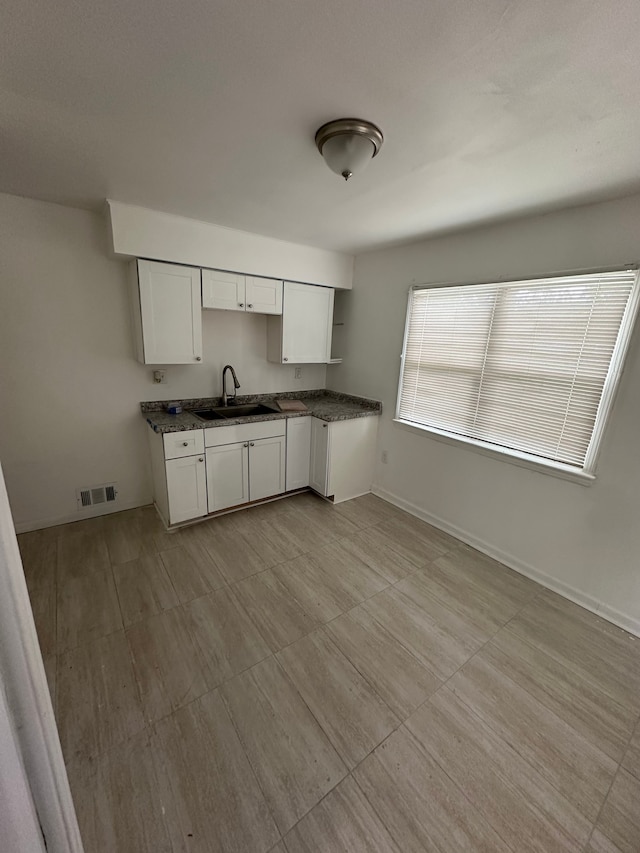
(244, 432)
(177, 444)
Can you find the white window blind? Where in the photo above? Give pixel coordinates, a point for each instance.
(524, 366)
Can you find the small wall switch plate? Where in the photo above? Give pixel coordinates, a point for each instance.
(385, 457)
(159, 377)
(298, 373)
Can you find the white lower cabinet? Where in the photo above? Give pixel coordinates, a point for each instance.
(245, 463)
(343, 457)
(227, 475)
(298, 452)
(186, 488)
(266, 467)
(201, 471)
(319, 457)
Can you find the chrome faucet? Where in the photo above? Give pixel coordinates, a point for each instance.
(236, 385)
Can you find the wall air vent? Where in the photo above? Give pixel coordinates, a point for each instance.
(93, 495)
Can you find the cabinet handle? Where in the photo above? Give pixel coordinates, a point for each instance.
(240, 304)
(198, 358)
(324, 426)
(200, 458)
(250, 305)
(185, 444)
(285, 359)
(252, 444)
(246, 445)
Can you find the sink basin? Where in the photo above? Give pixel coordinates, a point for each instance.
(224, 412)
(208, 415)
(247, 411)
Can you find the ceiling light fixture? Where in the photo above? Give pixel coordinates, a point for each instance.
(347, 144)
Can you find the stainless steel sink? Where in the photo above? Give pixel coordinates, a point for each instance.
(223, 412)
(208, 415)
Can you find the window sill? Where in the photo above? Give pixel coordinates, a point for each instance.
(514, 457)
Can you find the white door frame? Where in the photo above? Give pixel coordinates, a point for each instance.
(43, 789)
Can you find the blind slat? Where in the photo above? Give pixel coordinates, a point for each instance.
(520, 364)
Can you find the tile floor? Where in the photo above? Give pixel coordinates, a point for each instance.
(304, 677)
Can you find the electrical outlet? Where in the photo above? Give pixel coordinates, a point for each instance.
(385, 457)
(298, 373)
(159, 377)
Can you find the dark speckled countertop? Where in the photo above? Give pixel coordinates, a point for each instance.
(325, 405)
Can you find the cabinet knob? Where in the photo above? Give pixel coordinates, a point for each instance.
(285, 359)
(252, 444)
(250, 305)
(185, 444)
(324, 426)
(240, 304)
(198, 358)
(200, 458)
(246, 444)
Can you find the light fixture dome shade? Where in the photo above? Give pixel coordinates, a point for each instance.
(348, 144)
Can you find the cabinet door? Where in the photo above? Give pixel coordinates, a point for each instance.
(223, 290)
(228, 475)
(186, 488)
(298, 452)
(264, 295)
(170, 313)
(307, 316)
(320, 449)
(266, 467)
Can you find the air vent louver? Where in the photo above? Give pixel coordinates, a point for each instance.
(93, 495)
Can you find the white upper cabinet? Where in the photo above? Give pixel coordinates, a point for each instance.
(264, 295)
(223, 290)
(167, 307)
(302, 335)
(228, 291)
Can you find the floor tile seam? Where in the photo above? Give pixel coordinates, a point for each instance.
(601, 809)
(589, 682)
(366, 678)
(615, 776)
(372, 686)
(514, 746)
(87, 642)
(398, 640)
(413, 738)
(175, 591)
(198, 650)
(510, 747)
(477, 808)
(349, 775)
(118, 599)
(576, 669)
(445, 683)
(248, 756)
(530, 694)
(326, 734)
(456, 613)
(313, 628)
(486, 643)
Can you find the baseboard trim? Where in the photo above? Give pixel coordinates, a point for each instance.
(600, 608)
(39, 524)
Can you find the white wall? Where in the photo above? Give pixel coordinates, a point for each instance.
(583, 541)
(69, 383)
(143, 233)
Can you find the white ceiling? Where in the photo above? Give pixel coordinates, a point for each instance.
(208, 108)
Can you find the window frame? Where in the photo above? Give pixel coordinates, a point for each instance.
(585, 475)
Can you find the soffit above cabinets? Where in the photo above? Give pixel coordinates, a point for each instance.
(136, 232)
